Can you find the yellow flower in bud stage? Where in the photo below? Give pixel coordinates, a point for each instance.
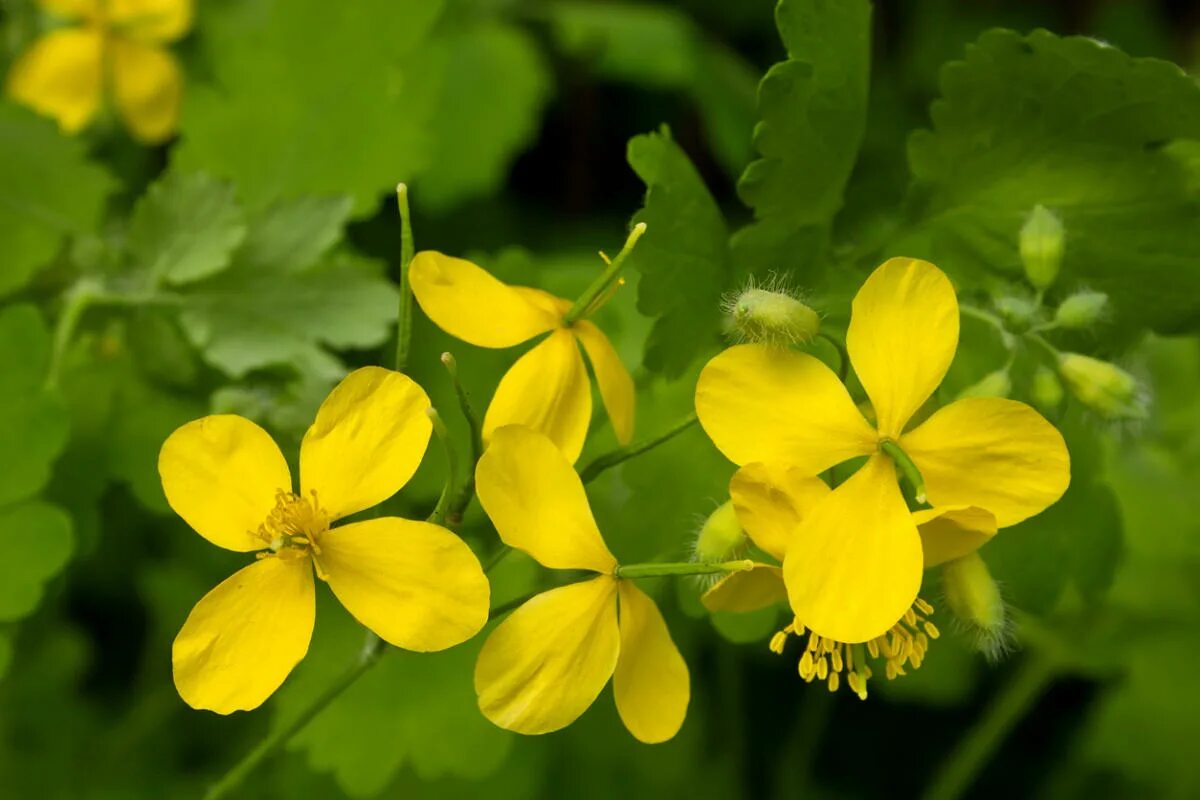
(116, 51)
(415, 584)
(547, 389)
(772, 502)
(855, 566)
(544, 665)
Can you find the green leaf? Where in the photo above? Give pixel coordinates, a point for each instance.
(813, 110)
(186, 227)
(35, 544)
(683, 256)
(1081, 128)
(33, 420)
(295, 233)
(49, 191)
(308, 102)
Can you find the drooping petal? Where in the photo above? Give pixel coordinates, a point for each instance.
(60, 76)
(536, 501)
(616, 384)
(221, 474)
(547, 389)
(544, 665)
(244, 637)
(366, 442)
(751, 590)
(771, 501)
(951, 532)
(991, 452)
(152, 20)
(758, 403)
(651, 683)
(417, 585)
(468, 303)
(902, 337)
(147, 87)
(854, 567)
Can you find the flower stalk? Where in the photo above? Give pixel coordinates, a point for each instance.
(665, 569)
(404, 316)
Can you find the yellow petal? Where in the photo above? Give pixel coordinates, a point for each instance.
(771, 500)
(767, 404)
(536, 501)
(616, 384)
(854, 568)
(417, 585)
(651, 683)
(367, 441)
(751, 590)
(547, 389)
(147, 87)
(243, 638)
(152, 20)
(991, 452)
(951, 532)
(60, 76)
(468, 303)
(544, 665)
(902, 337)
(221, 474)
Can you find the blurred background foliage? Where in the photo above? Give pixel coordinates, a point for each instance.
(247, 264)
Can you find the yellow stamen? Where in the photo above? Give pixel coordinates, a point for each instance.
(292, 528)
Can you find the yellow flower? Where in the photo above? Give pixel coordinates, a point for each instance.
(415, 584)
(855, 567)
(771, 502)
(547, 389)
(546, 663)
(115, 52)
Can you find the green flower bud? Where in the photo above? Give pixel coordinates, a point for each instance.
(720, 537)
(1081, 310)
(974, 597)
(1019, 312)
(1103, 387)
(1041, 246)
(770, 316)
(1047, 390)
(994, 384)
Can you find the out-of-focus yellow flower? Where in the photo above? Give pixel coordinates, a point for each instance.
(547, 389)
(855, 566)
(415, 584)
(116, 53)
(546, 663)
(771, 502)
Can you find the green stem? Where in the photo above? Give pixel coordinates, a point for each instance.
(504, 608)
(404, 316)
(907, 467)
(442, 509)
(681, 568)
(371, 651)
(496, 558)
(958, 772)
(1049, 349)
(584, 303)
(843, 356)
(611, 459)
(466, 491)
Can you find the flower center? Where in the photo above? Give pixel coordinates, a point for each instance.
(825, 659)
(293, 526)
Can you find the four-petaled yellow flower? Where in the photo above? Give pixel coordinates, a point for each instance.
(854, 566)
(415, 584)
(546, 663)
(771, 502)
(115, 52)
(547, 389)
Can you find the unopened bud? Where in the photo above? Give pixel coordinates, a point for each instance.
(720, 537)
(974, 597)
(994, 384)
(1019, 312)
(1047, 390)
(1041, 246)
(1081, 310)
(1103, 387)
(770, 316)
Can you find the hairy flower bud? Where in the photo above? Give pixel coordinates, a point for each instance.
(974, 597)
(720, 537)
(1041, 246)
(994, 384)
(1019, 312)
(1047, 391)
(1103, 387)
(1081, 310)
(770, 315)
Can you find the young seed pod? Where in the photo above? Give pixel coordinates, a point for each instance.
(721, 536)
(1103, 387)
(1047, 391)
(770, 316)
(994, 384)
(974, 597)
(1081, 310)
(1041, 245)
